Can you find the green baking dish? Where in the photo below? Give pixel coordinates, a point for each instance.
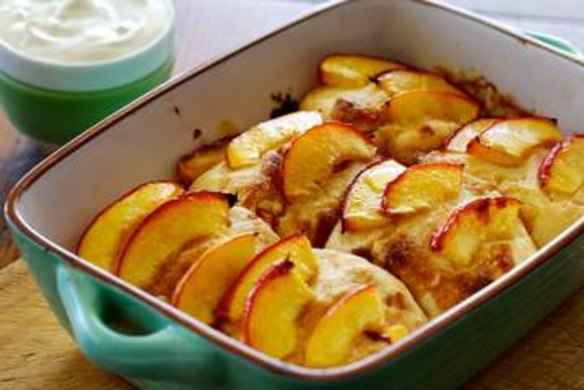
(153, 345)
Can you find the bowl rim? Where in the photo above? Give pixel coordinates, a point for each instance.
(364, 366)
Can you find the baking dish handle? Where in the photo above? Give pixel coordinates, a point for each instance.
(166, 351)
(556, 42)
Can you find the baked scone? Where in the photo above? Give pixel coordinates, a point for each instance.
(296, 184)
(332, 296)
(444, 238)
(444, 260)
(543, 169)
(342, 274)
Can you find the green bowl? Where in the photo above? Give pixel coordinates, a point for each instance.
(55, 117)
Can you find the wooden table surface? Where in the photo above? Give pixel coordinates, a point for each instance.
(35, 353)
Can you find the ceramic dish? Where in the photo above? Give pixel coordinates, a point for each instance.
(151, 343)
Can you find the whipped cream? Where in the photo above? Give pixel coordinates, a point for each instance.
(82, 31)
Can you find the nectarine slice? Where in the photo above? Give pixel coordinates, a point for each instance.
(102, 241)
(509, 141)
(362, 203)
(199, 291)
(476, 222)
(405, 80)
(270, 320)
(354, 313)
(422, 187)
(313, 157)
(562, 171)
(459, 140)
(353, 70)
(167, 230)
(247, 148)
(295, 248)
(422, 106)
(420, 121)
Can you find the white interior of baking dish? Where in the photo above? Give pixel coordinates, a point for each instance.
(145, 144)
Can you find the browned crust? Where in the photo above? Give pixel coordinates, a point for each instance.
(365, 119)
(184, 160)
(411, 263)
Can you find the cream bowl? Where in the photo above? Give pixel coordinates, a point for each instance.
(49, 208)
